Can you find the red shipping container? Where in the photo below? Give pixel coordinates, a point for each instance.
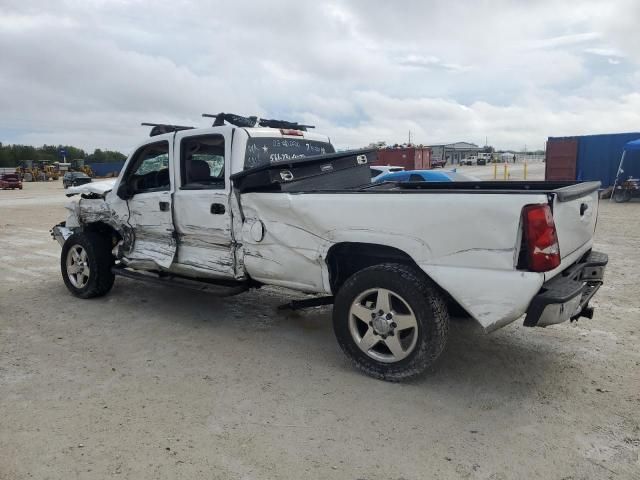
(561, 158)
(411, 158)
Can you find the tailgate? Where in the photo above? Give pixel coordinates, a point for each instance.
(575, 210)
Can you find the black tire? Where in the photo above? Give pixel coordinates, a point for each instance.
(99, 260)
(423, 298)
(621, 196)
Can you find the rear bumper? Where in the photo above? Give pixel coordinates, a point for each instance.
(566, 296)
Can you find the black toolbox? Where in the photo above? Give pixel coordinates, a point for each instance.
(333, 171)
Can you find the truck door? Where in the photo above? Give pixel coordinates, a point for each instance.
(149, 208)
(202, 213)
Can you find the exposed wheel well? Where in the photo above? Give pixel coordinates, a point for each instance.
(345, 259)
(104, 229)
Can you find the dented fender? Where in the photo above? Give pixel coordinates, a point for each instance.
(87, 211)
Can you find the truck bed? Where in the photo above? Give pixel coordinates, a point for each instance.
(468, 241)
(347, 172)
(564, 191)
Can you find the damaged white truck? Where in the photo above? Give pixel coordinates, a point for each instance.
(252, 202)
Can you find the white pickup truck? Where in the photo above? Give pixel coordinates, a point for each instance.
(237, 206)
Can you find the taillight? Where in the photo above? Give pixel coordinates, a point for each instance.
(291, 131)
(541, 238)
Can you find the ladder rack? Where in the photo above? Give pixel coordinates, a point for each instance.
(254, 121)
(160, 128)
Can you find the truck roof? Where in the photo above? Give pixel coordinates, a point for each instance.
(160, 130)
(284, 132)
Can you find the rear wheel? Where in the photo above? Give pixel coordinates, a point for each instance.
(621, 196)
(86, 263)
(391, 321)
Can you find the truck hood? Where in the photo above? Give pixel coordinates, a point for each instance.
(97, 188)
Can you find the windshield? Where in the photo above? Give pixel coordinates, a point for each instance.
(266, 150)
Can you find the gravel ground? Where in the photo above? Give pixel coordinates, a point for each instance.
(515, 171)
(150, 382)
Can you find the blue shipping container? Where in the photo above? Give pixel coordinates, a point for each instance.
(104, 169)
(599, 157)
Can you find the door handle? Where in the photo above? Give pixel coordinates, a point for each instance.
(217, 208)
(164, 206)
(583, 209)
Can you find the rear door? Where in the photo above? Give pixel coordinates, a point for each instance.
(202, 212)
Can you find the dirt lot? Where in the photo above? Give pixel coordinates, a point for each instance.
(149, 382)
(515, 171)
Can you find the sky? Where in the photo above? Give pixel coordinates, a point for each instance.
(87, 72)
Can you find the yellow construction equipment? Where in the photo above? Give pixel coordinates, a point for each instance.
(50, 172)
(31, 174)
(87, 170)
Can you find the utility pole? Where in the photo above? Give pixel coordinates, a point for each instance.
(409, 137)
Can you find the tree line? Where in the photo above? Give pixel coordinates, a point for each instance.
(14, 155)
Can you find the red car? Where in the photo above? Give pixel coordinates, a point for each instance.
(10, 180)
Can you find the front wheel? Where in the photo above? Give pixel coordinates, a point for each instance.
(391, 321)
(86, 263)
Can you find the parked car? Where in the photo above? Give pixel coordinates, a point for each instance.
(438, 163)
(238, 206)
(425, 176)
(10, 181)
(379, 170)
(73, 179)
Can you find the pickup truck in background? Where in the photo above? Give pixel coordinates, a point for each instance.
(247, 203)
(73, 179)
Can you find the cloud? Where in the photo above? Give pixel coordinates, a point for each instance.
(565, 40)
(526, 122)
(430, 63)
(89, 72)
(604, 52)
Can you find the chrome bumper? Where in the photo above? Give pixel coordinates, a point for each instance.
(566, 296)
(61, 233)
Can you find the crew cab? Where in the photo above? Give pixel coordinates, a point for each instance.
(248, 203)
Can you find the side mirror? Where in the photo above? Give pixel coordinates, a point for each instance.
(125, 192)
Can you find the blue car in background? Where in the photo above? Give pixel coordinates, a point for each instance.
(425, 176)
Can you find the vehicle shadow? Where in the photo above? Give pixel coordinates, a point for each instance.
(511, 362)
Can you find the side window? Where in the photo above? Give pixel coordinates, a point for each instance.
(375, 172)
(150, 169)
(414, 177)
(202, 162)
